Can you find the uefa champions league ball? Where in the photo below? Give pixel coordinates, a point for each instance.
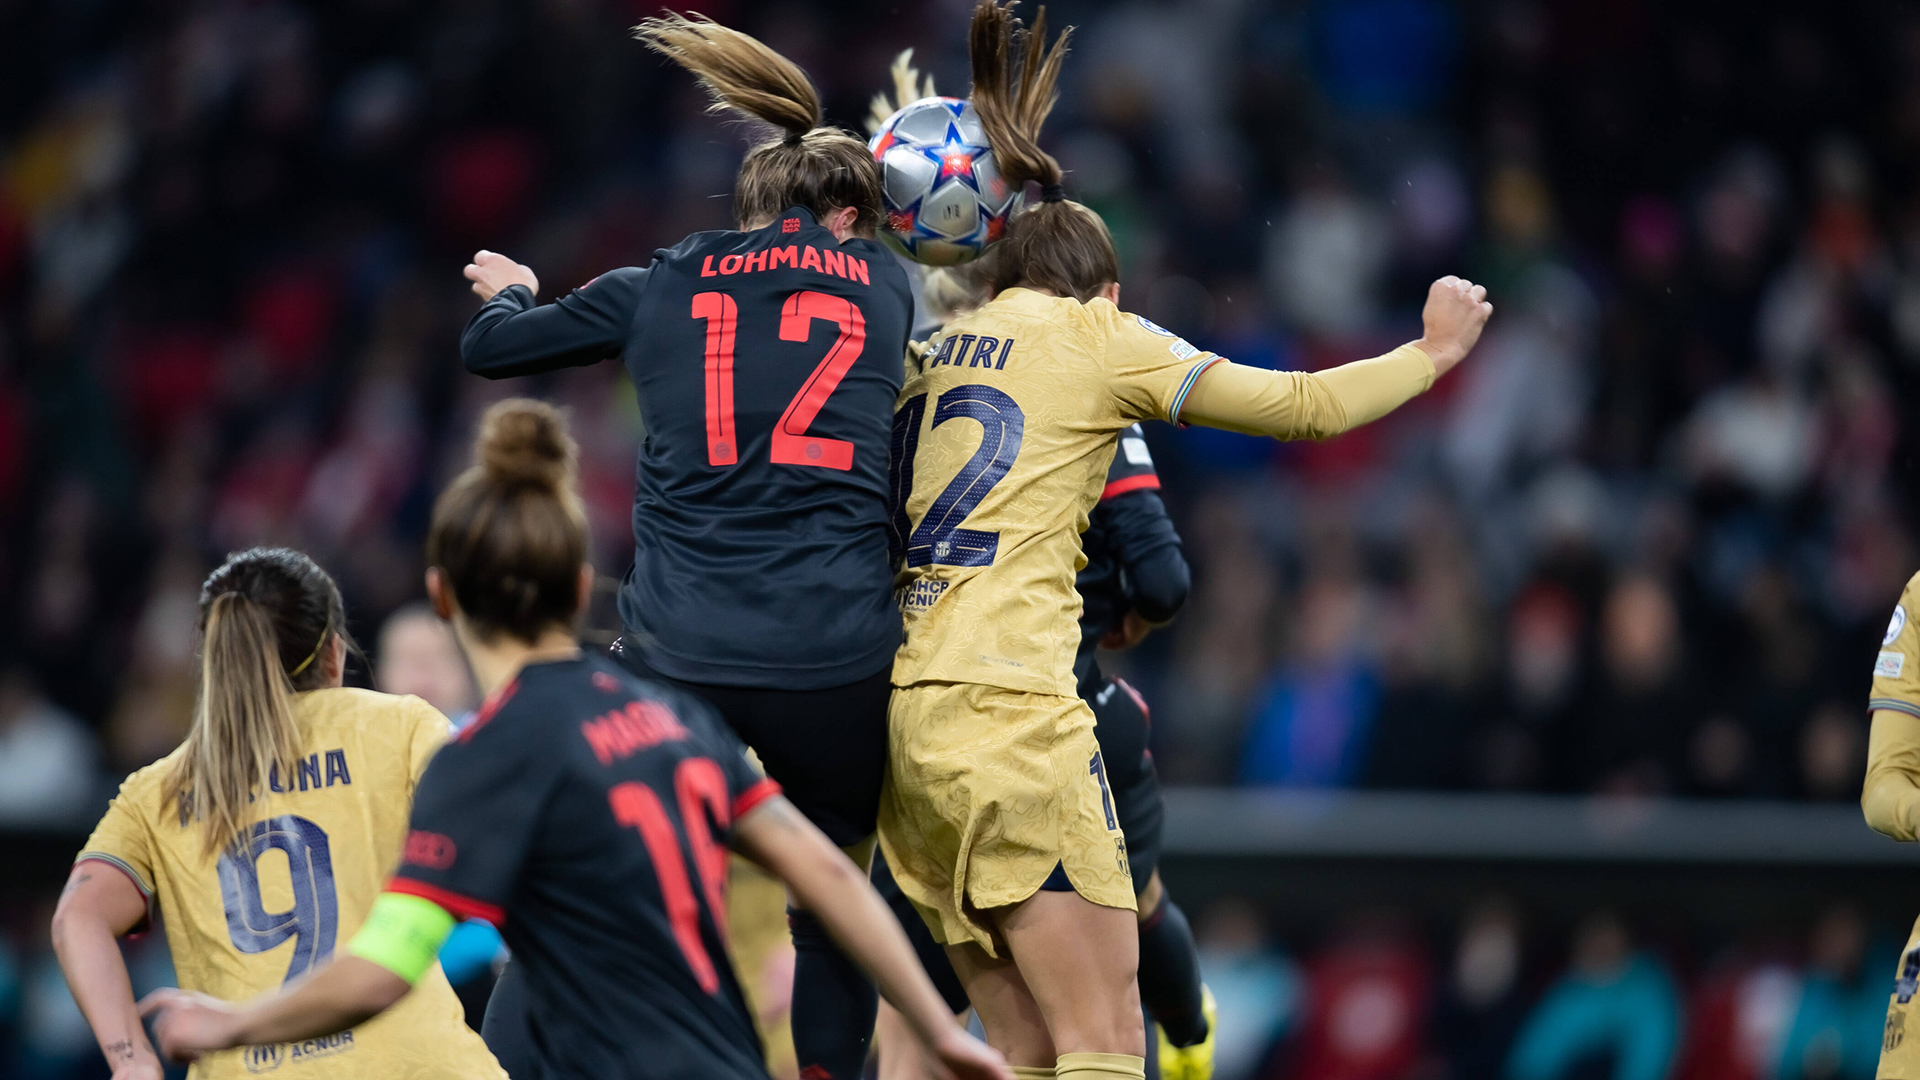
(945, 197)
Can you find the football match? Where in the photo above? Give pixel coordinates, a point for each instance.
(969, 540)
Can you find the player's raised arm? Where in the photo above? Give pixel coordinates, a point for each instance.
(1319, 405)
(513, 334)
(826, 882)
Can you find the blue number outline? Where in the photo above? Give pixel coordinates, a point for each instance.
(314, 920)
(939, 539)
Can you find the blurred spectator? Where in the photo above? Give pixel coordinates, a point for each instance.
(47, 759)
(1255, 986)
(1364, 1017)
(1311, 725)
(1615, 1014)
(417, 655)
(1482, 1002)
(1645, 698)
(1833, 753)
(1738, 1019)
(1438, 652)
(1541, 684)
(1841, 1013)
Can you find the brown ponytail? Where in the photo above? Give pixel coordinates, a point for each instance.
(1058, 244)
(820, 168)
(267, 617)
(510, 533)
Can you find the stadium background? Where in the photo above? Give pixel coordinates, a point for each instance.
(1639, 550)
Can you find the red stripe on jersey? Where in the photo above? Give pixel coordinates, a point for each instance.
(1145, 712)
(487, 711)
(462, 907)
(1143, 482)
(754, 796)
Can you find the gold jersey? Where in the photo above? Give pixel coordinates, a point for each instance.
(1891, 802)
(1001, 445)
(323, 843)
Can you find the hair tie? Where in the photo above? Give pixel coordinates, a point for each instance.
(793, 138)
(1052, 193)
(315, 654)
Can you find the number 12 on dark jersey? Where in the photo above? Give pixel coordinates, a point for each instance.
(790, 443)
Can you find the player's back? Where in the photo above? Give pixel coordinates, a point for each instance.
(588, 813)
(767, 363)
(320, 846)
(988, 514)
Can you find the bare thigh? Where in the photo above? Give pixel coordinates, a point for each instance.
(1007, 1011)
(1079, 960)
(1067, 984)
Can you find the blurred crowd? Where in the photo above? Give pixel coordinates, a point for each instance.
(1644, 542)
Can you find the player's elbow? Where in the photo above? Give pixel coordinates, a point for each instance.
(1880, 805)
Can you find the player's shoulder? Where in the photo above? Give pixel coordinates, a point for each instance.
(144, 786)
(355, 708)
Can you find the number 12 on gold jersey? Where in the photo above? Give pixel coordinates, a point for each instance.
(939, 540)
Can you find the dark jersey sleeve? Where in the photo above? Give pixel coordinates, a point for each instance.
(513, 335)
(1139, 534)
(474, 815)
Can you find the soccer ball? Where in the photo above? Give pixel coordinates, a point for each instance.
(945, 197)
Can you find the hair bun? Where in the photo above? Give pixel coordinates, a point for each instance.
(524, 441)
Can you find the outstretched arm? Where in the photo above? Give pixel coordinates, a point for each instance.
(98, 905)
(827, 883)
(515, 335)
(395, 947)
(1320, 405)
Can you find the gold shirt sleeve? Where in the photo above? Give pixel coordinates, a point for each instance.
(1307, 405)
(1890, 798)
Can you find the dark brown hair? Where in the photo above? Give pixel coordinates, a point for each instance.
(819, 168)
(1057, 244)
(509, 533)
(266, 616)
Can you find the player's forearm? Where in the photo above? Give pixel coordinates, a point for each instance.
(1301, 405)
(512, 336)
(96, 974)
(346, 992)
(1142, 536)
(864, 927)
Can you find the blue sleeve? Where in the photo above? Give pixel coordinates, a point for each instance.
(513, 335)
(469, 951)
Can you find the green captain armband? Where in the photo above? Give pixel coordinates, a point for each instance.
(403, 934)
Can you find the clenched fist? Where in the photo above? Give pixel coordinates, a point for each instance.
(1456, 312)
(490, 272)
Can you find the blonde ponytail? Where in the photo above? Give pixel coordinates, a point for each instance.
(243, 724)
(909, 86)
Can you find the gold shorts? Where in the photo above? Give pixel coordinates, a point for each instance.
(1900, 1041)
(987, 791)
